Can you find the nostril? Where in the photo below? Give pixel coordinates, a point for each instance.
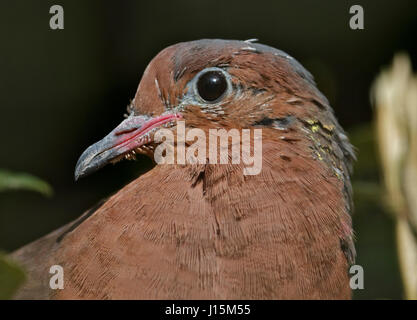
(118, 133)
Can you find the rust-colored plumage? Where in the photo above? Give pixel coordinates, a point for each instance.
(206, 231)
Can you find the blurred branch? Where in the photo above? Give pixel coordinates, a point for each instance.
(394, 96)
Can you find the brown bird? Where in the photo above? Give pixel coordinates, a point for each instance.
(208, 231)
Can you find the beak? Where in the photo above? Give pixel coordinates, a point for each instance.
(129, 136)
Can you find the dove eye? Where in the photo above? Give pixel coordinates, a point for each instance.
(211, 85)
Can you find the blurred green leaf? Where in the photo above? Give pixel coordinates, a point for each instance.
(23, 181)
(11, 277)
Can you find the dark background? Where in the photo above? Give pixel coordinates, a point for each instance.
(62, 90)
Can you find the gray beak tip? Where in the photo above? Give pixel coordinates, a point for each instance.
(78, 172)
(76, 176)
(102, 152)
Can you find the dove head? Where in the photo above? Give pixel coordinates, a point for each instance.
(225, 84)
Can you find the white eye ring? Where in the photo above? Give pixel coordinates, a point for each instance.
(226, 92)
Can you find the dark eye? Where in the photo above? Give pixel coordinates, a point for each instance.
(211, 85)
